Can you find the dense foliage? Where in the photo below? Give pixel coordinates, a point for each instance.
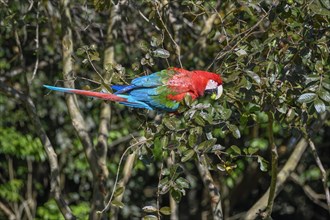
(273, 57)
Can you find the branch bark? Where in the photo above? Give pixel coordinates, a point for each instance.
(212, 189)
(52, 156)
(323, 172)
(282, 176)
(97, 165)
(272, 188)
(311, 194)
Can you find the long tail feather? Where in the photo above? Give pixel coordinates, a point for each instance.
(100, 95)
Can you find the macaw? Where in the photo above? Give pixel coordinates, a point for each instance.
(163, 90)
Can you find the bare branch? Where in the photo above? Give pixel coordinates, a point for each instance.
(7, 211)
(173, 204)
(272, 188)
(323, 172)
(282, 176)
(37, 44)
(52, 157)
(98, 169)
(213, 191)
(311, 194)
(117, 173)
(177, 47)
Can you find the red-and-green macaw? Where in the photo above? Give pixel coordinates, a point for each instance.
(163, 90)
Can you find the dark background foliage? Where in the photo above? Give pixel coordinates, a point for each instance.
(273, 57)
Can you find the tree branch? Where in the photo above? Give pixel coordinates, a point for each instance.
(212, 189)
(98, 169)
(323, 172)
(52, 157)
(282, 176)
(311, 194)
(272, 188)
(7, 211)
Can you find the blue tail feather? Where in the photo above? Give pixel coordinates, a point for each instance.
(60, 89)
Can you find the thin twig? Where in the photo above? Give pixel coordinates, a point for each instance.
(246, 34)
(147, 20)
(51, 154)
(282, 176)
(272, 188)
(213, 191)
(94, 68)
(117, 173)
(323, 172)
(173, 204)
(6, 210)
(177, 47)
(311, 194)
(37, 45)
(158, 190)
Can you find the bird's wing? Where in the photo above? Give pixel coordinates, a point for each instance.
(157, 98)
(153, 80)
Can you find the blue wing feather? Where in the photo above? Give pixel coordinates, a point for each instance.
(144, 92)
(132, 102)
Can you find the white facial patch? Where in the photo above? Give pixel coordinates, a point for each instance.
(211, 84)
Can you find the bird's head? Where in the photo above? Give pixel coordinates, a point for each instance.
(213, 84)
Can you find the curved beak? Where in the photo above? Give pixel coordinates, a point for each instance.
(219, 92)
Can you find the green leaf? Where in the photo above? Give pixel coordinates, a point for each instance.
(157, 150)
(325, 95)
(254, 76)
(192, 139)
(119, 191)
(199, 120)
(234, 130)
(205, 145)
(182, 182)
(150, 217)
(80, 51)
(319, 66)
(187, 155)
(252, 150)
(221, 167)
(319, 105)
(225, 113)
(165, 210)
(164, 141)
(188, 100)
(326, 85)
(306, 97)
(149, 209)
(117, 203)
(312, 78)
(176, 195)
(95, 56)
(263, 164)
(162, 53)
(169, 123)
(236, 149)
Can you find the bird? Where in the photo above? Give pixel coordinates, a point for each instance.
(162, 91)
